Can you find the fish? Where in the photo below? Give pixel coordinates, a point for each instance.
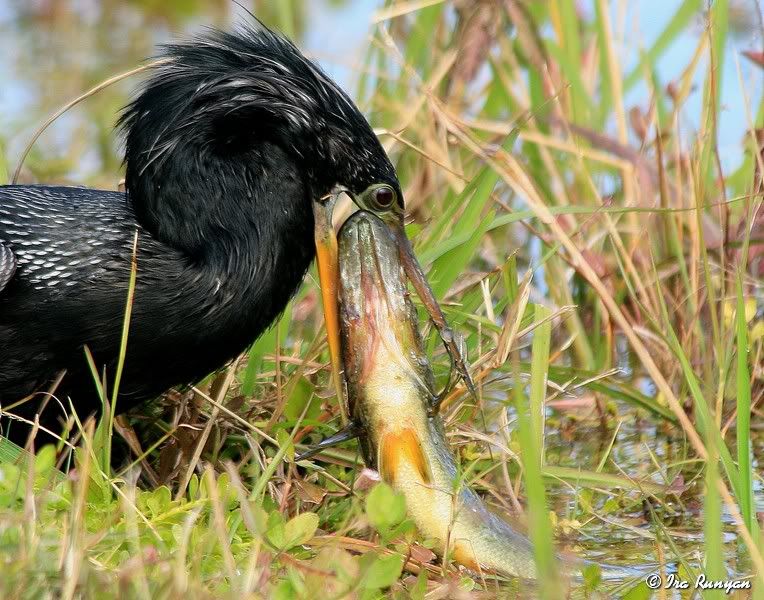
(391, 394)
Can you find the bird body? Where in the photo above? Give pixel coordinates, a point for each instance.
(189, 315)
(227, 146)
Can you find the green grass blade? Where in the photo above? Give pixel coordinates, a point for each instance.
(112, 410)
(446, 269)
(743, 421)
(542, 337)
(539, 526)
(712, 518)
(582, 102)
(10, 452)
(569, 57)
(596, 479)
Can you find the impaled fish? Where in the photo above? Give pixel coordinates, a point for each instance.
(391, 394)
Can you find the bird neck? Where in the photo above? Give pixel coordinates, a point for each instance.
(241, 213)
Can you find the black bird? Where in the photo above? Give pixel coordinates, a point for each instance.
(232, 145)
(228, 146)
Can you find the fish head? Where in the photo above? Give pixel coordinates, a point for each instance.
(381, 343)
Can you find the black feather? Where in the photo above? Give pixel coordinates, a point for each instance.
(225, 147)
(7, 265)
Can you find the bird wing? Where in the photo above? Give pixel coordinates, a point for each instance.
(7, 265)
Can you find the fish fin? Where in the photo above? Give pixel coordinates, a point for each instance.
(464, 555)
(402, 447)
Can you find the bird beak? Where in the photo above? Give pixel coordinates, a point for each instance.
(328, 276)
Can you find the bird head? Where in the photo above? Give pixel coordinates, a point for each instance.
(222, 94)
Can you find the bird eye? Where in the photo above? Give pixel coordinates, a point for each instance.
(383, 197)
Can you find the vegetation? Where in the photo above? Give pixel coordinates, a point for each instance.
(602, 257)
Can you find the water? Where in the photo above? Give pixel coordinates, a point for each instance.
(620, 526)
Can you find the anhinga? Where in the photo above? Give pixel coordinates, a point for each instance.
(235, 150)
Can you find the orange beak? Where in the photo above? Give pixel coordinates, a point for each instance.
(328, 275)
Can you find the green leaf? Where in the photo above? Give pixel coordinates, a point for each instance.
(159, 500)
(539, 368)
(466, 583)
(193, 487)
(419, 589)
(712, 519)
(276, 533)
(260, 517)
(300, 529)
(9, 477)
(45, 460)
(9, 452)
(743, 417)
(285, 443)
(385, 507)
(382, 571)
(284, 591)
(453, 263)
(571, 68)
(538, 515)
(226, 492)
(299, 399)
(639, 592)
